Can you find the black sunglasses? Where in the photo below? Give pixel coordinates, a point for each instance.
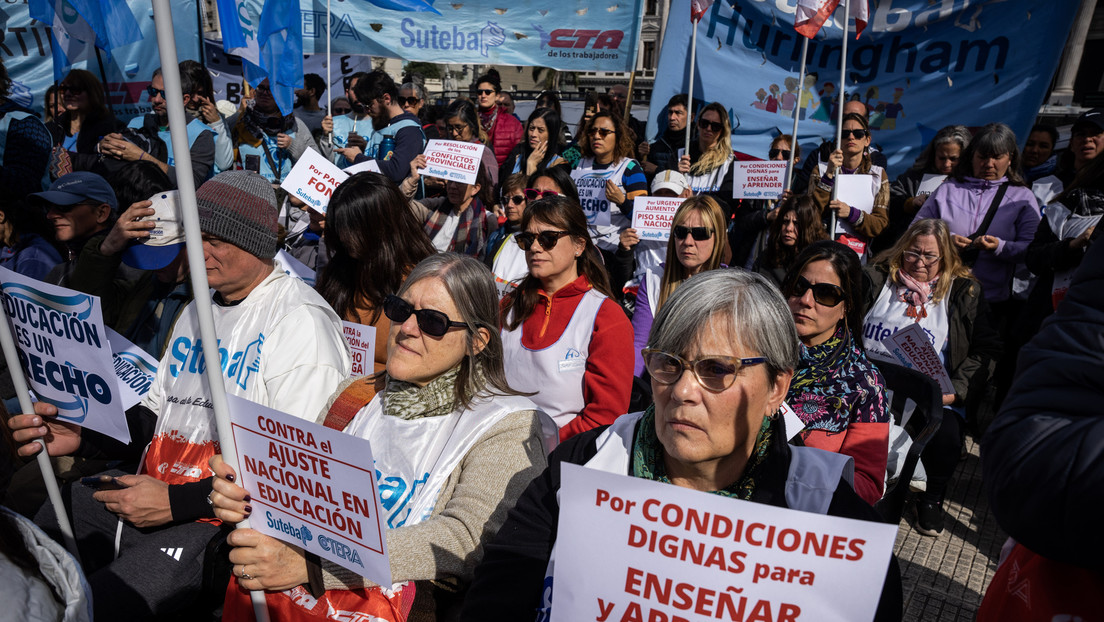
(407, 101)
(823, 293)
(700, 234)
(516, 199)
(155, 92)
(533, 194)
(71, 88)
(860, 134)
(774, 153)
(710, 125)
(601, 131)
(340, 111)
(431, 322)
(485, 91)
(547, 239)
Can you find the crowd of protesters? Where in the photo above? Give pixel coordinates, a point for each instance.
(501, 301)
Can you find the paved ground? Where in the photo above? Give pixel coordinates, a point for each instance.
(944, 578)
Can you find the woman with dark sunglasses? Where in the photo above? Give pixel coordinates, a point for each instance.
(446, 428)
(708, 166)
(505, 259)
(86, 118)
(720, 356)
(503, 129)
(564, 337)
(695, 246)
(836, 392)
(854, 227)
(608, 180)
(921, 280)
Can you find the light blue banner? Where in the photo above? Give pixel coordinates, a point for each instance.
(25, 48)
(919, 66)
(573, 35)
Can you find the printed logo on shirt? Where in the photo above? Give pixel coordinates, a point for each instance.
(395, 494)
(880, 332)
(572, 361)
(238, 366)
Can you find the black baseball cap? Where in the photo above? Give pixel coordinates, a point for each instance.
(1091, 120)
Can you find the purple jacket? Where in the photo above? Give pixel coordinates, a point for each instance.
(963, 204)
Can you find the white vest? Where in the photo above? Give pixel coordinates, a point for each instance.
(605, 219)
(556, 372)
(414, 458)
(710, 181)
(887, 316)
(810, 485)
(510, 266)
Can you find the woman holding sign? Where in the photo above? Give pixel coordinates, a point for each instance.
(608, 180)
(921, 280)
(836, 392)
(720, 355)
(458, 221)
(908, 193)
(857, 222)
(564, 336)
(696, 245)
(454, 445)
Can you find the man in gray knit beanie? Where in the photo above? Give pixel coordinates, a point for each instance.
(237, 214)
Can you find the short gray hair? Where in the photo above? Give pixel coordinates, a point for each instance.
(419, 92)
(471, 287)
(751, 306)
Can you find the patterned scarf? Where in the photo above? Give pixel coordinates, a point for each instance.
(409, 401)
(830, 380)
(471, 232)
(915, 294)
(487, 120)
(647, 457)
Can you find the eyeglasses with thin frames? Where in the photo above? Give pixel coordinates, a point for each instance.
(924, 259)
(714, 373)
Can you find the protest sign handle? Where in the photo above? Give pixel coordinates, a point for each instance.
(793, 135)
(839, 113)
(166, 44)
(329, 77)
(629, 99)
(690, 93)
(11, 357)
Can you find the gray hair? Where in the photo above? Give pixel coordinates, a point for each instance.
(419, 92)
(957, 134)
(471, 287)
(751, 306)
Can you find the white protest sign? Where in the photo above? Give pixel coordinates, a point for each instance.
(914, 349)
(652, 217)
(592, 196)
(293, 267)
(313, 179)
(856, 191)
(362, 346)
(669, 553)
(929, 183)
(369, 166)
(64, 352)
(453, 160)
(794, 424)
(312, 486)
(135, 369)
(758, 180)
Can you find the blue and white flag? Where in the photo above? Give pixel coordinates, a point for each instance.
(919, 66)
(269, 40)
(77, 27)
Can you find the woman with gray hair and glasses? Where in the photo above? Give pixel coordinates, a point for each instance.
(721, 354)
(453, 445)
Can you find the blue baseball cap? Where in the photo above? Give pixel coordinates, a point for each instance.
(78, 187)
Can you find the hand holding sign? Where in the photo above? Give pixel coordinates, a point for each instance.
(453, 160)
(758, 180)
(43, 426)
(313, 179)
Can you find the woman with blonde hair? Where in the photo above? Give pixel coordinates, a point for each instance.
(696, 245)
(708, 166)
(922, 280)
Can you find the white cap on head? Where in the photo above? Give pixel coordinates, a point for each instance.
(670, 180)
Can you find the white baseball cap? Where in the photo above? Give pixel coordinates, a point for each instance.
(165, 240)
(670, 180)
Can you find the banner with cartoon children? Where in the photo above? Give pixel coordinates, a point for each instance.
(918, 66)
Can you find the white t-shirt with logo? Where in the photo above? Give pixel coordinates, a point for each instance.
(281, 347)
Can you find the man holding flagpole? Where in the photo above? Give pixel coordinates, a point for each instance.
(283, 348)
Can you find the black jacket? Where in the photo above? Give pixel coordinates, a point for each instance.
(1042, 458)
(509, 583)
(664, 151)
(973, 345)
